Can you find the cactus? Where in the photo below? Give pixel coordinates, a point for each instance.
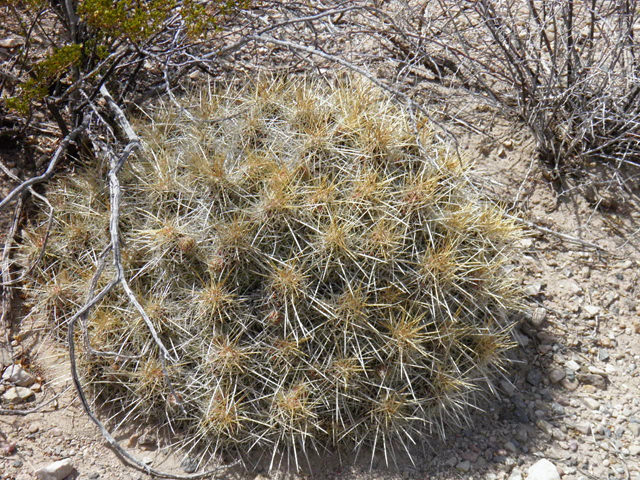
(315, 259)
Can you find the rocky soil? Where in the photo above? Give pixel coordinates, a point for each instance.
(567, 408)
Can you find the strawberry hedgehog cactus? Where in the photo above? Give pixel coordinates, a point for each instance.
(317, 266)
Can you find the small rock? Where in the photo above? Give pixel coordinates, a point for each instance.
(33, 428)
(543, 470)
(597, 381)
(18, 395)
(569, 286)
(5, 356)
(9, 449)
(533, 289)
(583, 428)
(56, 470)
(591, 310)
(521, 435)
(525, 243)
(515, 475)
(545, 427)
(634, 428)
(606, 342)
(556, 375)
(603, 355)
(591, 403)
(510, 447)
(634, 449)
(538, 317)
(18, 376)
(508, 387)
(17, 463)
(534, 377)
(36, 387)
(452, 461)
(469, 455)
(189, 465)
(544, 348)
(11, 42)
(596, 370)
(573, 365)
(94, 475)
(464, 466)
(570, 384)
(148, 441)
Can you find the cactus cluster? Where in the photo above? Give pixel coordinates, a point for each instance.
(315, 261)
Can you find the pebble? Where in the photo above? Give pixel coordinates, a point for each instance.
(521, 435)
(570, 384)
(9, 449)
(18, 395)
(583, 428)
(634, 428)
(556, 375)
(451, 462)
(18, 376)
(6, 358)
(533, 289)
(148, 441)
(510, 447)
(591, 403)
(33, 428)
(596, 380)
(534, 377)
(573, 365)
(603, 355)
(56, 470)
(11, 42)
(189, 465)
(591, 310)
(508, 387)
(515, 475)
(469, 455)
(538, 317)
(634, 450)
(596, 370)
(545, 426)
(464, 466)
(543, 470)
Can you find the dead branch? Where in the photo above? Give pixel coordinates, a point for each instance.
(62, 148)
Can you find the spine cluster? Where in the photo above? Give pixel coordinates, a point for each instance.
(324, 275)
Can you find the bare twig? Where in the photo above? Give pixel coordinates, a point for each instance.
(62, 148)
(564, 236)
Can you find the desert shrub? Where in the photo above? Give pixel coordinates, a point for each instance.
(318, 273)
(67, 50)
(567, 69)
